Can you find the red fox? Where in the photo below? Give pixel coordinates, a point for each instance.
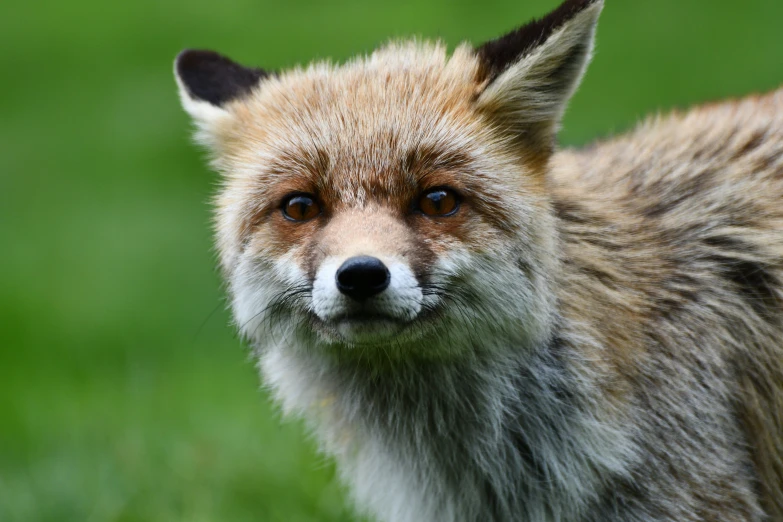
(479, 327)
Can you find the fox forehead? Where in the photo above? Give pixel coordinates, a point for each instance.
(383, 124)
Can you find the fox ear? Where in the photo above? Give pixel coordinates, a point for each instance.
(207, 81)
(530, 74)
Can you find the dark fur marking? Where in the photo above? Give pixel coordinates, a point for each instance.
(725, 244)
(660, 207)
(625, 496)
(686, 191)
(752, 144)
(313, 256)
(767, 164)
(605, 241)
(657, 209)
(599, 275)
(526, 268)
(213, 78)
(421, 259)
(571, 212)
(559, 356)
(574, 213)
(676, 293)
(755, 284)
(498, 54)
(427, 159)
(751, 278)
(685, 287)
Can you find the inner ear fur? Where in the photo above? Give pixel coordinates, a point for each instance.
(528, 75)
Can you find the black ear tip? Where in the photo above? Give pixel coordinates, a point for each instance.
(193, 60)
(575, 6)
(212, 77)
(497, 54)
(185, 58)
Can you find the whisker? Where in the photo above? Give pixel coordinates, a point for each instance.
(285, 299)
(206, 320)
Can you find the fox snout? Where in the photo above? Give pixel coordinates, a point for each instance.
(364, 288)
(362, 277)
(364, 296)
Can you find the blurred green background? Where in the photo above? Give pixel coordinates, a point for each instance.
(124, 393)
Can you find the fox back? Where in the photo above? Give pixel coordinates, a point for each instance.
(481, 328)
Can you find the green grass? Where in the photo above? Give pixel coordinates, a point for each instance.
(124, 394)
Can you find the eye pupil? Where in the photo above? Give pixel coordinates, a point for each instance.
(437, 199)
(439, 202)
(300, 207)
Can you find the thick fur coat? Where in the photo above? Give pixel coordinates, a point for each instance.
(588, 335)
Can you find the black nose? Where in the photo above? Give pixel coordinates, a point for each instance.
(362, 277)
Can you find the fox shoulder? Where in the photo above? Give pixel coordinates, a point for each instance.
(685, 211)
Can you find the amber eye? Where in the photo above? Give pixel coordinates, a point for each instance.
(439, 202)
(300, 207)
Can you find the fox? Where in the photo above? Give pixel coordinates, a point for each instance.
(478, 325)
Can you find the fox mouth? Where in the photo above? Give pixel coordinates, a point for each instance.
(368, 329)
(365, 317)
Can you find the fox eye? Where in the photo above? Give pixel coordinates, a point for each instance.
(300, 207)
(439, 202)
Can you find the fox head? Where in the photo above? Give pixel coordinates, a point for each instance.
(397, 204)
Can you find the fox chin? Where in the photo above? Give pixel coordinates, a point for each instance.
(480, 327)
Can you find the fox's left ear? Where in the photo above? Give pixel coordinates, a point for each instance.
(207, 82)
(529, 74)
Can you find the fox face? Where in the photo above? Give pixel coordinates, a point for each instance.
(381, 206)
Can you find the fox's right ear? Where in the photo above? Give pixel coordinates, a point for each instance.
(208, 81)
(529, 74)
